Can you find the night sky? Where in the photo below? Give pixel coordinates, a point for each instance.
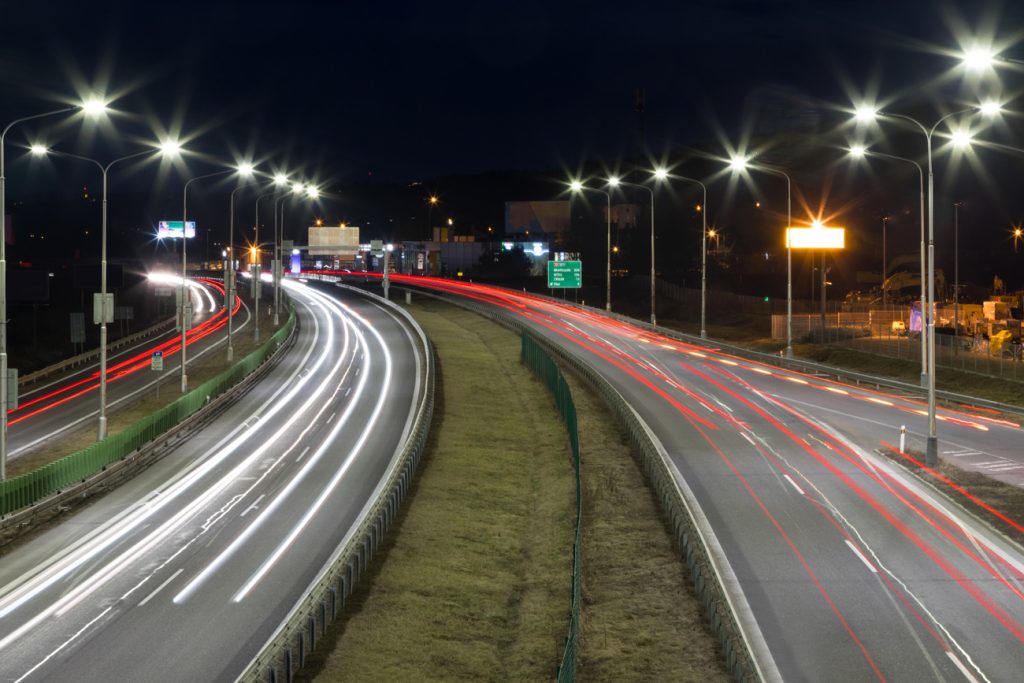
(400, 92)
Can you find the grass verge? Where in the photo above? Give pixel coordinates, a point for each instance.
(640, 619)
(473, 581)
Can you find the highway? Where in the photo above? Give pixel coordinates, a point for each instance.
(185, 571)
(69, 400)
(851, 569)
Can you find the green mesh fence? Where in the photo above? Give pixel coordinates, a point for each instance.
(544, 367)
(31, 487)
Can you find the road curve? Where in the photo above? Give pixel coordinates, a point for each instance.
(184, 572)
(852, 569)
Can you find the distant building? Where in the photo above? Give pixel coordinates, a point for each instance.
(537, 217)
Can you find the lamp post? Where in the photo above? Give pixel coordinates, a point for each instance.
(93, 106)
(662, 174)
(956, 276)
(614, 181)
(41, 150)
(184, 268)
(245, 172)
(868, 114)
(432, 201)
(577, 186)
(280, 180)
(741, 163)
(859, 151)
(885, 226)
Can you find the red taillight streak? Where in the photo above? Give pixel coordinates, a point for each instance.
(129, 365)
(968, 585)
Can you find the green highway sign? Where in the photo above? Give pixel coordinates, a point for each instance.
(565, 274)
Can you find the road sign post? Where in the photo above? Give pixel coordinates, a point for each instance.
(565, 274)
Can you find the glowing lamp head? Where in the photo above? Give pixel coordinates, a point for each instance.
(1017, 232)
(245, 169)
(816, 224)
(858, 151)
(661, 173)
(738, 162)
(961, 139)
(298, 188)
(39, 150)
(312, 192)
(280, 179)
(170, 148)
(433, 199)
(978, 58)
(712, 232)
(990, 108)
(576, 186)
(614, 181)
(865, 113)
(94, 106)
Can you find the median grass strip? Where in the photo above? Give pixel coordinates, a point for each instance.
(641, 621)
(473, 582)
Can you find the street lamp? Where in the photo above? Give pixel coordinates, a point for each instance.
(577, 186)
(184, 262)
(298, 190)
(868, 114)
(740, 163)
(615, 181)
(280, 182)
(245, 172)
(41, 151)
(859, 151)
(432, 201)
(93, 107)
(662, 174)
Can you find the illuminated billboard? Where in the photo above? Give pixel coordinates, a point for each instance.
(173, 229)
(817, 237)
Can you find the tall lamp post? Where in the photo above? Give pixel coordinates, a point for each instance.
(662, 174)
(41, 151)
(184, 266)
(859, 151)
(245, 172)
(742, 163)
(956, 276)
(92, 107)
(615, 181)
(298, 189)
(577, 186)
(280, 181)
(870, 114)
(432, 201)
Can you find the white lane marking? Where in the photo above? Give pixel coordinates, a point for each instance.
(348, 391)
(302, 454)
(798, 489)
(960, 665)
(253, 506)
(159, 588)
(862, 558)
(332, 417)
(63, 645)
(745, 436)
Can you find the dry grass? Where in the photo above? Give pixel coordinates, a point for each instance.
(473, 582)
(641, 620)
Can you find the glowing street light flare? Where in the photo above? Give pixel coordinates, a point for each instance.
(312, 192)
(280, 179)
(170, 148)
(858, 151)
(978, 59)
(576, 186)
(990, 108)
(94, 106)
(865, 113)
(39, 150)
(738, 162)
(661, 173)
(614, 181)
(298, 188)
(245, 169)
(961, 139)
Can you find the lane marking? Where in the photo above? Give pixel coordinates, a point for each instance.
(862, 558)
(348, 391)
(960, 665)
(798, 489)
(332, 417)
(253, 506)
(163, 585)
(303, 454)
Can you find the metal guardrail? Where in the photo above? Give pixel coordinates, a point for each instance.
(731, 620)
(88, 356)
(36, 494)
(538, 360)
(286, 650)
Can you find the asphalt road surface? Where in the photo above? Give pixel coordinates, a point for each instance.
(852, 570)
(69, 400)
(184, 572)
